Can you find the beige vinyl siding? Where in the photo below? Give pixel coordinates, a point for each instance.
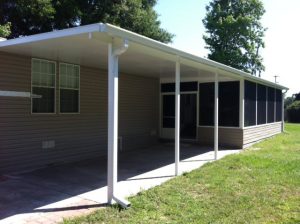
(229, 137)
(256, 133)
(76, 136)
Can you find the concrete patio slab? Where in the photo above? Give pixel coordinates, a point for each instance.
(50, 194)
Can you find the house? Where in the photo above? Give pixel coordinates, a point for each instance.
(82, 92)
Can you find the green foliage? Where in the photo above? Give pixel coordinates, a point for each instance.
(288, 101)
(293, 112)
(294, 106)
(5, 30)
(27, 16)
(35, 16)
(258, 185)
(234, 33)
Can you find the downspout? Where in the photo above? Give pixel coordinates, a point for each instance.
(122, 49)
(115, 54)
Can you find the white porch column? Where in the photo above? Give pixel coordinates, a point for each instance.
(282, 108)
(177, 117)
(113, 91)
(113, 82)
(242, 104)
(216, 128)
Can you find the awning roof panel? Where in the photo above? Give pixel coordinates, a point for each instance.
(87, 46)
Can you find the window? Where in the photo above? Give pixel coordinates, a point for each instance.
(278, 105)
(43, 86)
(229, 101)
(184, 87)
(69, 79)
(206, 104)
(250, 103)
(261, 104)
(271, 105)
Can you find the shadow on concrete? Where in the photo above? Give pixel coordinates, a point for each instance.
(25, 192)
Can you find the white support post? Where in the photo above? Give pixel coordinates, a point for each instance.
(216, 128)
(113, 91)
(256, 116)
(113, 76)
(275, 105)
(267, 104)
(242, 104)
(282, 108)
(177, 117)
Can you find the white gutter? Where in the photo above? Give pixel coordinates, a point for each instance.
(137, 38)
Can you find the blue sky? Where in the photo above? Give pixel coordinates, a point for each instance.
(282, 39)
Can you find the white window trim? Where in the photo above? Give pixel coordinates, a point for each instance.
(55, 77)
(59, 88)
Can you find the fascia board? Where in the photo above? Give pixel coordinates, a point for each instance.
(54, 34)
(131, 36)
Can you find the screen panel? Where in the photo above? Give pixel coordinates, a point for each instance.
(168, 111)
(206, 104)
(278, 105)
(250, 103)
(271, 105)
(261, 104)
(229, 102)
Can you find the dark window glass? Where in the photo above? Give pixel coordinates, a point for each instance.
(271, 104)
(45, 104)
(206, 103)
(278, 105)
(184, 87)
(188, 86)
(229, 95)
(69, 101)
(168, 111)
(250, 103)
(167, 88)
(261, 104)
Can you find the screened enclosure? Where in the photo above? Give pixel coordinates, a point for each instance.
(262, 104)
(229, 95)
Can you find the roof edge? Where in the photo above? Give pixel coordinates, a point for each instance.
(97, 27)
(131, 36)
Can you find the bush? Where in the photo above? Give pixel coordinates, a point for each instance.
(293, 112)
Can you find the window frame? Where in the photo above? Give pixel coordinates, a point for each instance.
(59, 88)
(55, 87)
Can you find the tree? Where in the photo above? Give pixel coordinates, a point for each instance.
(36, 16)
(5, 30)
(27, 16)
(293, 112)
(235, 34)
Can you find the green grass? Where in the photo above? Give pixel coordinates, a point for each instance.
(259, 185)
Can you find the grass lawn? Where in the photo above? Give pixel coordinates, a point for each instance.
(259, 185)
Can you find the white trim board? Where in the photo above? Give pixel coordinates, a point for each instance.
(15, 94)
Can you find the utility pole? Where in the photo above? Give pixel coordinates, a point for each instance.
(276, 76)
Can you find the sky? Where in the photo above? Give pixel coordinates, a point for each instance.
(282, 38)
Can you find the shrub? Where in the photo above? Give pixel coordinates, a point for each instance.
(293, 112)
